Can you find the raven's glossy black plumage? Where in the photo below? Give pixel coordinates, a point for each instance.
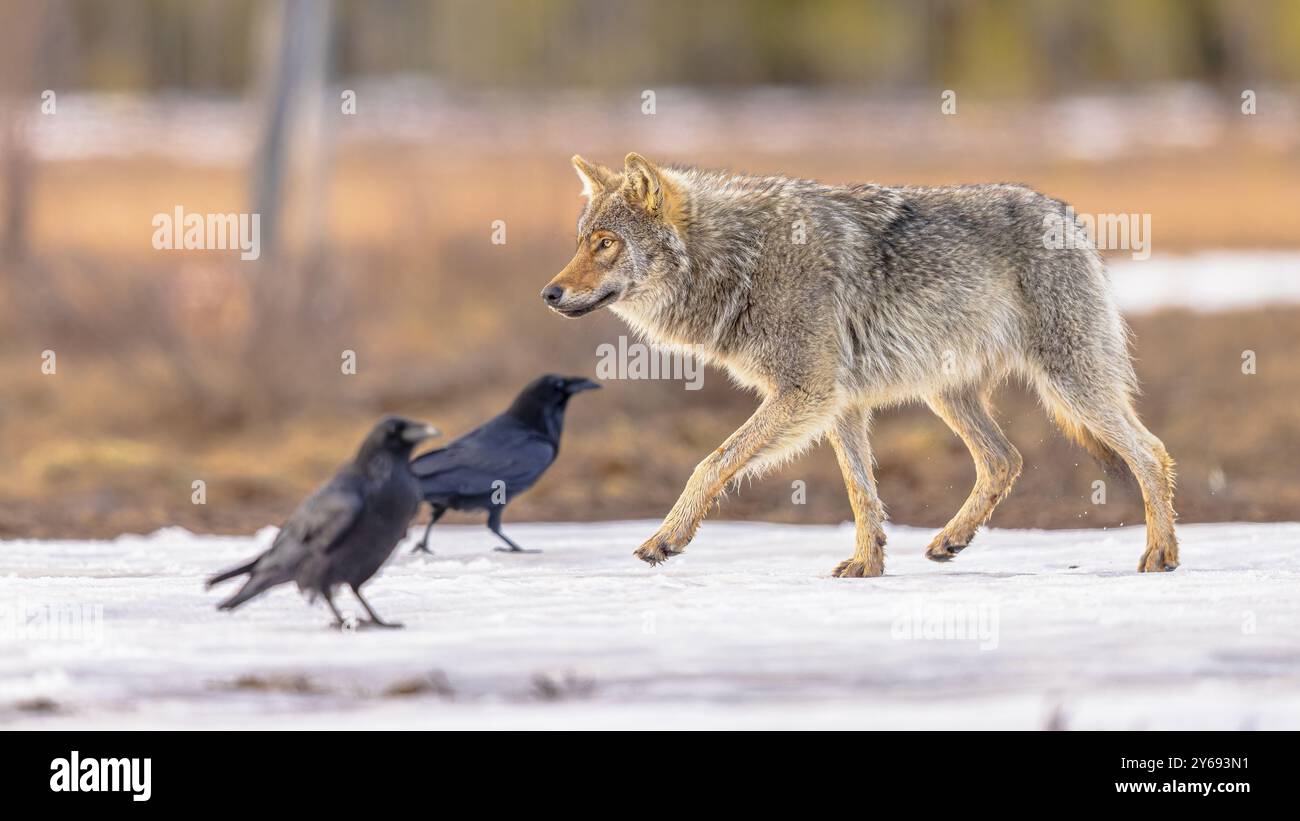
(513, 449)
(344, 532)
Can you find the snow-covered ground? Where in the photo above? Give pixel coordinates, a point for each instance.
(1027, 629)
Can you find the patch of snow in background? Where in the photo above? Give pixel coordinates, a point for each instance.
(1211, 281)
(744, 630)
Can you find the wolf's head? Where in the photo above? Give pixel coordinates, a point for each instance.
(630, 233)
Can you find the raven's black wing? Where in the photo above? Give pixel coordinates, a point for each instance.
(321, 521)
(500, 451)
(317, 526)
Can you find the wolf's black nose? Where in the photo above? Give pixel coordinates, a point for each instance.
(552, 294)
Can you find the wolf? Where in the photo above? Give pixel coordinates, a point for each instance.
(832, 301)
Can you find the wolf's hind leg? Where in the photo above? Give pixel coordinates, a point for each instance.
(1108, 418)
(997, 464)
(1140, 448)
(781, 425)
(849, 438)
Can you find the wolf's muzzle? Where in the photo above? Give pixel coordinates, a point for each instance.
(558, 300)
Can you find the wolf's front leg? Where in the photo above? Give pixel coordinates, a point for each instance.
(781, 424)
(853, 451)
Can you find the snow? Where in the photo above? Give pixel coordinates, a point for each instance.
(1027, 629)
(1208, 281)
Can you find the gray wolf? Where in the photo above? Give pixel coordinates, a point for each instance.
(832, 301)
(488, 467)
(344, 532)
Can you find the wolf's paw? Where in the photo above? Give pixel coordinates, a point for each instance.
(1158, 560)
(855, 569)
(944, 549)
(658, 549)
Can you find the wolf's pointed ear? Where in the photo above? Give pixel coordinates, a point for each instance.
(644, 186)
(595, 178)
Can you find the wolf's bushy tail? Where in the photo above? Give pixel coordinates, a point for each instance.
(1078, 353)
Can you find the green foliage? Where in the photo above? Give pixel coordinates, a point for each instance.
(1004, 47)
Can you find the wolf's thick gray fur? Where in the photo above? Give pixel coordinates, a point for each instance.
(831, 301)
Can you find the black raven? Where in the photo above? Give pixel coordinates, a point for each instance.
(345, 531)
(488, 467)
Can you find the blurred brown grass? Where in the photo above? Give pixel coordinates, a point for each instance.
(177, 366)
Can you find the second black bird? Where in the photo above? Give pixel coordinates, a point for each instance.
(488, 467)
(344, 532)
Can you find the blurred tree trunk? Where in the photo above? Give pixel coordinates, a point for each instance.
(940, 30)
(295, 58)
(280, 61)
(294, 67)
(1236, 29)
(314, 158)
(19, 103)
(17, 187)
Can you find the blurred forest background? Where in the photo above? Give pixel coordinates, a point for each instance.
(377, 228)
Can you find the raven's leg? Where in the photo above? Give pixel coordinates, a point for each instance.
(339, 622)
(374, 617)
(423, 546)
(494, 525)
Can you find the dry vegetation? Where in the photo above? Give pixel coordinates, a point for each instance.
(176, 366)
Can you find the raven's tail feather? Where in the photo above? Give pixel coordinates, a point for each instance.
(230, 574)
(251, 588)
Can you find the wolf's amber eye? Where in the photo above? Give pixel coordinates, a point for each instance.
(606, 242)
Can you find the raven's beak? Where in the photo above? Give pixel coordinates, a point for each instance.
(418, 433)
(580, 385)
